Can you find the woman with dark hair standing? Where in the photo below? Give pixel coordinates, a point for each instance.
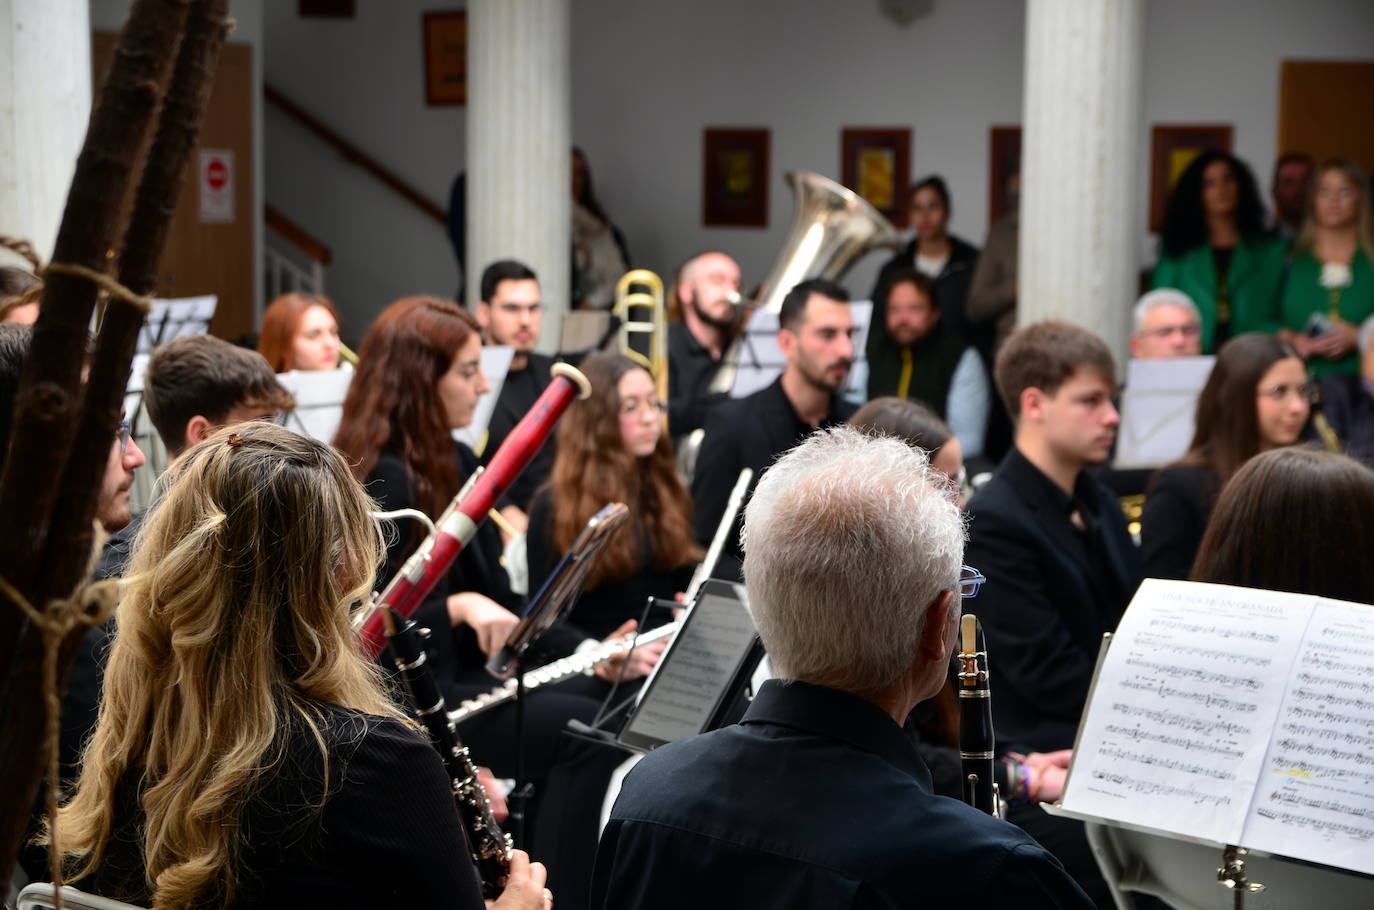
(935, 252)
(300, 332)
(1214, 248)
(1296, 520)
(612, 448)
(419, 378)
(1257, 398)
(246, 755)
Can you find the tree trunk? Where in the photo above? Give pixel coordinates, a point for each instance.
(50, 396)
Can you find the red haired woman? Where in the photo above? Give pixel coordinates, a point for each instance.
(612, 448)
(300, 332)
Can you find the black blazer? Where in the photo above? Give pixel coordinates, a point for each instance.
(748, 432)
(1178, 505)
(1045, 604)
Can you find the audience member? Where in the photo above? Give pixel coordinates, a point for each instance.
(1166, 324)
(707, 293)
(1330, 286)
(612, 448)
(511, 313)
(1292, 180)
(300, 332)
(815, 330)
(293, 790)
(1294, 519)
(1049, 537)
(1347, 401)
(946, 259)
(992, 296)
(854, 580)
(1256, 398)
(1214, 248)
(600, 255)
(917, 354)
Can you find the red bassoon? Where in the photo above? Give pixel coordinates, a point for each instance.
(456, 527)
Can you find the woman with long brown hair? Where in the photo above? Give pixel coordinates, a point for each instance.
(419, 377)
(300, 332)
(246, 755)
(612, 448)
(1258, 397)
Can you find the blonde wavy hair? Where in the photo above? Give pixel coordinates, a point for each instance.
(241, 582)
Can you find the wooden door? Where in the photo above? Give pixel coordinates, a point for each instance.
(210, 248)
(1326, 109)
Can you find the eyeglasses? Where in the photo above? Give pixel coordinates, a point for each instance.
(124, 432)
(631, 407)
(1187, 330)
(970, 580)
(1307, 391)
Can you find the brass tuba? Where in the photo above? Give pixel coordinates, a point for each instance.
(832, 228)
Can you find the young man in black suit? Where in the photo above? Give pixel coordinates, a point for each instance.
(815, 333)
(1050, 538)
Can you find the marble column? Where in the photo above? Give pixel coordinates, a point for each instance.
(45, 103)
(1080, 164)
(519, 139)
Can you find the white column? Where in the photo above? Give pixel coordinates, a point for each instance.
(45, 103)
(519, 141)
(1080, 211)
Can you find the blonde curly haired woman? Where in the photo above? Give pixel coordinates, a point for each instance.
(247, 755)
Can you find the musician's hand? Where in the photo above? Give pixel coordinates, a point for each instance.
(1057, 759)
(1048, 771)
(496, 794)
(491, 621)
(517, 519)
(641, 660)
(524, 888)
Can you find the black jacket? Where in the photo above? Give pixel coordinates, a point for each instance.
(518, 394)
(1349, 406)
(1051, 593)
(748, 432)
(815, 799)
(1178, 505)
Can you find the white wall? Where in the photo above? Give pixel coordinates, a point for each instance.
(649, 75)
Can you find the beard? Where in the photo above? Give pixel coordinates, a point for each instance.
(724, 325)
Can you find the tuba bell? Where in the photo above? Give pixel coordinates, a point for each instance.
(832, 228)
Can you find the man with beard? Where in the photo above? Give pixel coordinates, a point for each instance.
(707, 287)
(1050, 538)
(510, 313)
(815, 334)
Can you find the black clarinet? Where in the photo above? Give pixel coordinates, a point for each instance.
(976, 740)
(489, 845)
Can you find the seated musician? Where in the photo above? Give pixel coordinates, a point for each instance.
(419, 376)
(817, 798)
(306, 787)
(612, 448)
(300, 332)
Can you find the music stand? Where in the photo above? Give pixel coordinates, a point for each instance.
(319, 398)
(555, 598)
(175, 318)
(1158, 402)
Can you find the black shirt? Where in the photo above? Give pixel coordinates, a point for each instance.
(691, 368)
(816, 799)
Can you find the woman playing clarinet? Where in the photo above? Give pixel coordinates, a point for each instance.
(246, 754)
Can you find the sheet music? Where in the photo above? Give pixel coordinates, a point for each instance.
(1158, 402)
(1316, 798)
(1183, 708)
(319, 398)
(174, 318)
(688, 680)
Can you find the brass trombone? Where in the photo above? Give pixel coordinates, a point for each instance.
(641, 288)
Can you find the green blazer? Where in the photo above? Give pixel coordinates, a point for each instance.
(1304, 295)
(1253, 281)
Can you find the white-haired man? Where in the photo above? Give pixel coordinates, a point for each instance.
(817, 798)
(1167, 324)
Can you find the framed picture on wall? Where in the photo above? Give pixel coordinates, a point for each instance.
(446, 58)
(1004, 163)
(1172, 149)
(875, 162)
(734, 187)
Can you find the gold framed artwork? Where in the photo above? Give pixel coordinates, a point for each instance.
(734, 188)
(875, 162)
(446, 58)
